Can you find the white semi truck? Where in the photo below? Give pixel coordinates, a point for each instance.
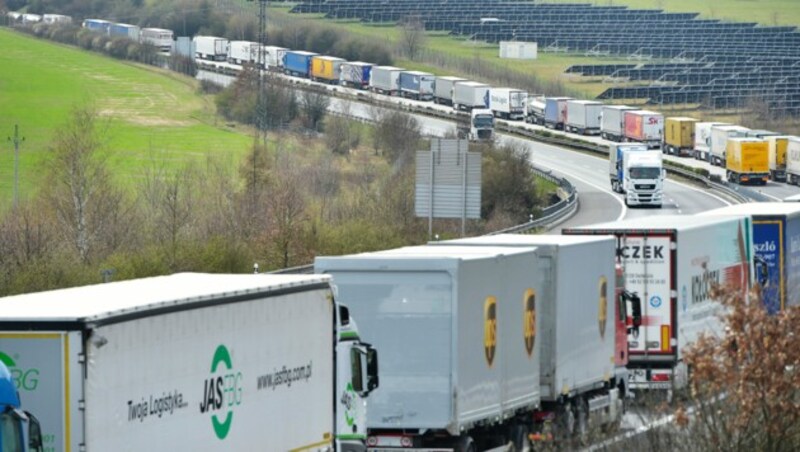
(638, 173)
(480, 126)
(191, 362)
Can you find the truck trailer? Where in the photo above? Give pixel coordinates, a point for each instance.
(776, 250)
(417, 85)
(326, 69)
(679, 136)
(132, 32)
(747, 161)
(555, 112)
(443, 89)
(98, 25)
(643, 126)
(535, 110)
(298, 63)
(672, 263)
(508, 103)
(583, 117)
(612, 122)
(158, 37)
(385, 79)
(777, 157)
(355, 74)
(243, 52)
(273, 57)
(191, 362)
(719, 142)
(469, 95)
(210, 48)
(793, 161)
(702, 139)
(21, 431)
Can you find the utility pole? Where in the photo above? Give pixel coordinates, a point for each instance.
(16, 140)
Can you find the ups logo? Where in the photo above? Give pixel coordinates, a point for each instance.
(490, 329)
(603, 306)
(529, 320)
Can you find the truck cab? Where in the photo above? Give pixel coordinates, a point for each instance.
(643, 180)
(480, 127)
(19, 430)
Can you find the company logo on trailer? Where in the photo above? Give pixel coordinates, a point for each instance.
(222, 392)
(602, 306)
(655, 301)
(24, 379)
(529, 320)
(490, 329)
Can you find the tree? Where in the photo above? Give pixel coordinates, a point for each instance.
(287, 215)
(398, 134)
(314, 107)
(509, 186)
(412, 37)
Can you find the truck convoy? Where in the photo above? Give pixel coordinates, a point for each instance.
(417, 85)
(646, 127)
(638, 173)
(211, 48)
(583, 117)
(672, 262)
(555, 112)
(298, 62)
(509, 341)
(480, 126)
(679, 136)
(20, 431)
(508, 103)
(776, 250)
(747, 161)
(443, 89)
(469, 95)
(192, 362)
(719, 142)
(612, 122)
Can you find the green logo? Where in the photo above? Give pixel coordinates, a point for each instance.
(24, 379)
(7, 360)
(222, 392)
(349, 400)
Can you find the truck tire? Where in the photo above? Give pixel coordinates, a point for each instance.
(519, 437)
(581, 408)
(466, 444)
(565, 421)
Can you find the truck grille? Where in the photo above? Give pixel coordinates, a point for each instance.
(645, 186)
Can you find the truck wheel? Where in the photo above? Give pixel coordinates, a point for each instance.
(466, 444)
(565, 419)
(581, 421)
(519, 437)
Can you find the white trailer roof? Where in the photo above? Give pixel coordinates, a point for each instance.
(105, 301)
(655, 222)
(526, 240)
(439, 252)
(757, 208)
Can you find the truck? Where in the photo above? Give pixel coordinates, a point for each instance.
(326, 69)
(480, 126)
(535, 110)
(469, 95)
(776, 250)
(132, 32)
(702, 139)
(555, 112)
(417, 85)
(158, 37)
(243, 52)
(643, 126)
(56, 19)
(21, 431)
(273, 57)
(443, 89)
(98, 25)
(210, 48)
(355, 74)
(719, 142)
(612, 122)
(793, 161)
(638, 173)
(583, 117)
(679, 136)
(508, 103)
(673, 263)
(196, 361)
(298, 63)
(777, 157)
(385, 79)
(747, 161)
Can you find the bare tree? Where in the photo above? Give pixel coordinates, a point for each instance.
(398, 135)
(412, 37)
(287, 205)
(314, 107)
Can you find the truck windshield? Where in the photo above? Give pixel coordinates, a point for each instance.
(10, 433)
(484, 121)
(645, 173)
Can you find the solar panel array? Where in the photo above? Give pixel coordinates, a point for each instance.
(705, 61)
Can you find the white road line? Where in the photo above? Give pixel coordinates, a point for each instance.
(770, 196)
(727, 203)
(624, 211)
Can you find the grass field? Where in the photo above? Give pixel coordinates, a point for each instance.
(151, 112)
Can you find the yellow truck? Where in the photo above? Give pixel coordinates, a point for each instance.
(326, 69)
(777, 157)
(679, 136)
(747, 161)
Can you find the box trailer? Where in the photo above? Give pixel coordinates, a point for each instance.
(612, 122)
(747, 161)
(679, 136)
(456, 329)
(469, 95)
(776, 250)
(508, 103)
(243, 52)
(326, 69)
(702, 139)
(98, 25)
(298, 62)
(191, 362)
(211, 48)
(719, 142)
(21, 430)
(793, 161)
(385, 79)
(443, 89)
(273, 57)
(535, 110)
(777, 157)
(672, 263)
(417, 85)
(643, 126)
(129, 31)
(555, 112)
(583, 117)
(158, 37)
(355, 74)
(56, 19)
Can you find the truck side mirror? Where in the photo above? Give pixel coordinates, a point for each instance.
(34, 434)
(372, 369)
(357, 378)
